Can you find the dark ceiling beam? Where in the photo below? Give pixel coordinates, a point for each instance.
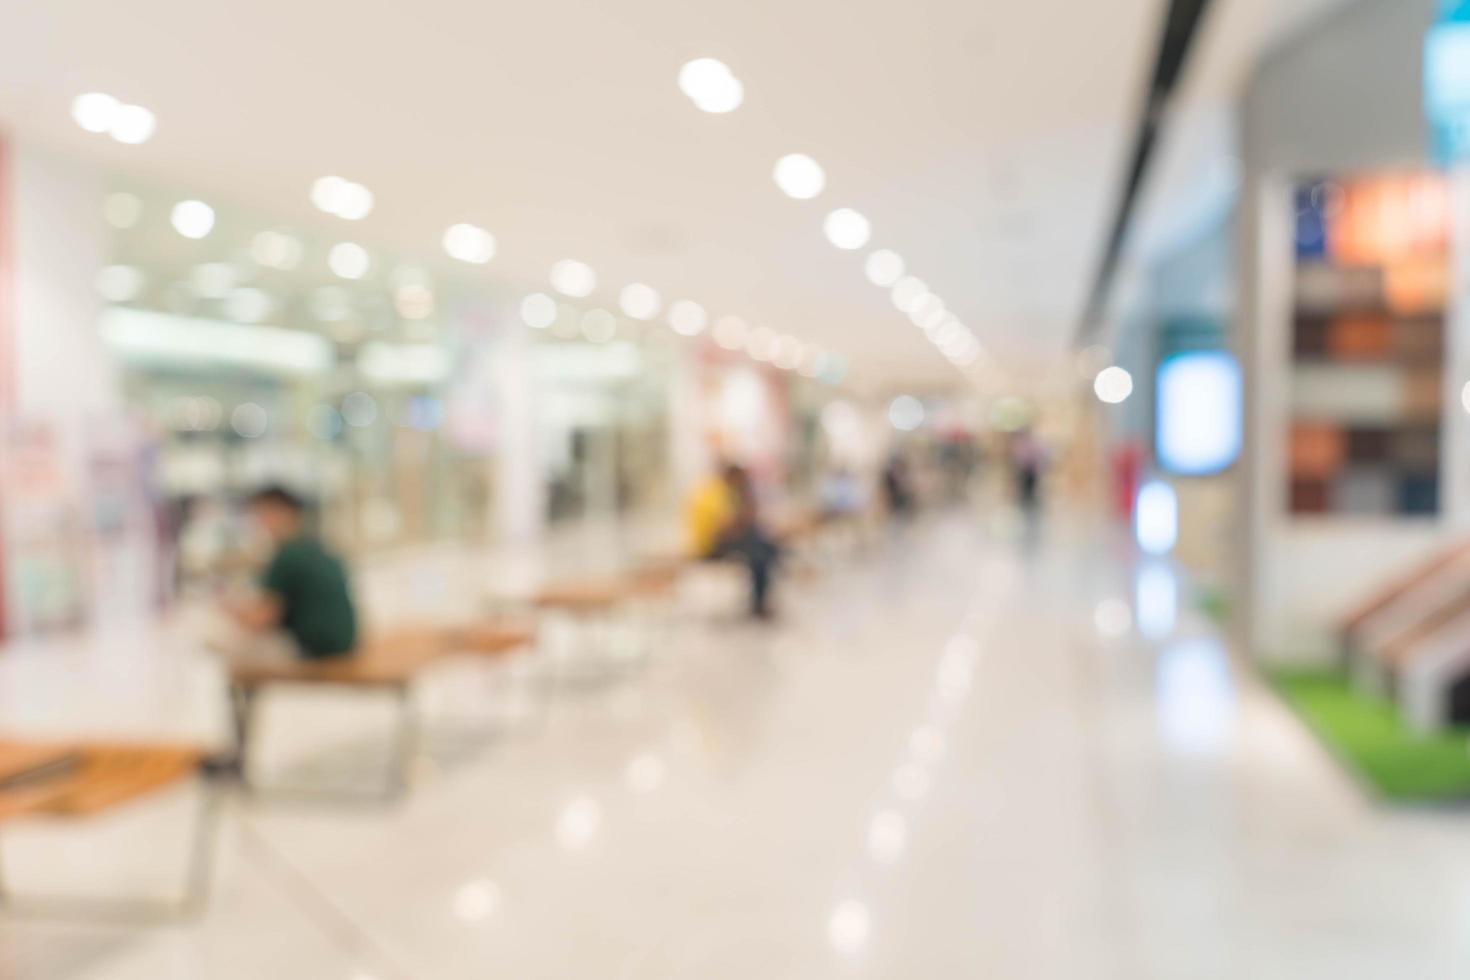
(1181, 28)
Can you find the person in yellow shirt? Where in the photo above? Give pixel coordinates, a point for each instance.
(708, 514)
(722, 521)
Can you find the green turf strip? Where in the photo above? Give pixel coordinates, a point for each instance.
(1365, 733)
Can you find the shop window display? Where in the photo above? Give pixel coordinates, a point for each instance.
(249, 359)
(1371, 290)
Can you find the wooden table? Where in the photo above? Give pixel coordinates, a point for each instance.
(390, 662)
(75, 780)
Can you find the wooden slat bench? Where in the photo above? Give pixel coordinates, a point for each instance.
(595, 615)
(389, 663)
(78, 780)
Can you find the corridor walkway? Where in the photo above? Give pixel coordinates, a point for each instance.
(951, 759)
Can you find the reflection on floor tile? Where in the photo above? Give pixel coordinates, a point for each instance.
(955, 756)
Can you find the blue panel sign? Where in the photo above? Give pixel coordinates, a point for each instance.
(1447, 82)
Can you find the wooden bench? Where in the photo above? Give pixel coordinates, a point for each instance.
(78, 780)
(599, 618)
(389, 663)
(583, 597)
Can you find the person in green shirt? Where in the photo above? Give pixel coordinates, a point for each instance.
(304, 592)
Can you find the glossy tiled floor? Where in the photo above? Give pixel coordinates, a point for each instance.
(954, 758)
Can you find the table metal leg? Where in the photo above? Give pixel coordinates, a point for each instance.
(405, 744)
(242, 710)
(402, 752)
(192, 899)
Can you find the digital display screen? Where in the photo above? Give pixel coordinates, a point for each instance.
(1199, 413)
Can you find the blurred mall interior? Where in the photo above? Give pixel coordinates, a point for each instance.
(683, 490)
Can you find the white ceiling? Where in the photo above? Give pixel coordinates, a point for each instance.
(983, 139)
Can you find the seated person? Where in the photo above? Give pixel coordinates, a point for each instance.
(723, 522)
(841, 495)
(710, 509)
(304, 595)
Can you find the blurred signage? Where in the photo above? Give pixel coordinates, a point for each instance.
(163, 339)
(1447, 82)
(1199, 413)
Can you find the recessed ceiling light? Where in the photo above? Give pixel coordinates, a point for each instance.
(799, 176)
(711, 85)
(276, 250)
(325, 193)
(469, 243)
(908, 292)
(572, 278)
(761, 343)
(1113, 385)
(640, 301)
(924, 307)
(884, 268)
(344, 198)
(538, 311)
(847, 229)
(341, 197)
(413, 298)
(355, 203)
(599, 326)
(349, 260)
(787, 353)
(731, 332)
(688, 318)
(192, 219)
(95, 111)
(932, 319)
(132, 124)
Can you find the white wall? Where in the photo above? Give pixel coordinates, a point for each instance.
(62, 369)
(520, 470)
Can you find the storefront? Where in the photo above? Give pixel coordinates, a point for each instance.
(252, 353)
(1352, 243)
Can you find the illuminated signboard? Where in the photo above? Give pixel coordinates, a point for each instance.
(1447, 81)
(1199, 413)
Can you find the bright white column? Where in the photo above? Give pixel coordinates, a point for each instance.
(689, 450)
(520, 472)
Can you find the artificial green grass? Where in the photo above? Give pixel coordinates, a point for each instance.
(1365, 733)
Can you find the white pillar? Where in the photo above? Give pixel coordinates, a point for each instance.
(84, 524)
(62, 370)
(689, 450)
(520, 472)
